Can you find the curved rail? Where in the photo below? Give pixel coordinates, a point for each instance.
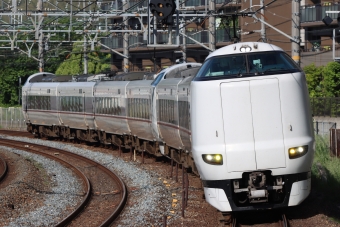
(3, 169)
(9, 143)
(35, 148)
(16, 133)
(284, 221)
(234, 222)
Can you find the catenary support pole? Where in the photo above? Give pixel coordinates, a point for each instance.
(296, 30)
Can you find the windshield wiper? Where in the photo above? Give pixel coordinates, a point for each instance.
(274, 69)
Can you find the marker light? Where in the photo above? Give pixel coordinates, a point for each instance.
(296, 152)
(213, 159)
(245, 48)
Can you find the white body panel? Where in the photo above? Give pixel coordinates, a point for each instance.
(238, 126)
(253, 132)
(235, 48)
(217, 198)
(205, 100)
(251, 127)
(300, 191)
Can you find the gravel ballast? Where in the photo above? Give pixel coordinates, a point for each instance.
(64, 192)
(148, 189)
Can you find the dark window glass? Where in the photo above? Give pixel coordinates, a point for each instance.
(246, 65)
(184, 114)
(166, 111)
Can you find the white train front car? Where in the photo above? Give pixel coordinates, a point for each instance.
(252, 133)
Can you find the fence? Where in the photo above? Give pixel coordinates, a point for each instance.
(12, 118)
(334, 141)
(323, 128)
(328, 130)
(327, 107)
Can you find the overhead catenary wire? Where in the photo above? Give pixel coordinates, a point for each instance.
(136, 3)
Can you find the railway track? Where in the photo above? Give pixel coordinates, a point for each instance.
(3, 168)
(279, 221)
(104, 194)
(238, 221)
(16, 133)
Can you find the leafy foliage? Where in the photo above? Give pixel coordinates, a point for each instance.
(73, 65)
(323, 81)
(13, 67)
(314, 80)
(332, 80)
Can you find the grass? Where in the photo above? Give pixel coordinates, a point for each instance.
(326, 170)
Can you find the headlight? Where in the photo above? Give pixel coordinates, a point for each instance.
(213, 159)
(296, 152)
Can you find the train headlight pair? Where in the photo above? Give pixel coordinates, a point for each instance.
(213, 159)
(296, 152)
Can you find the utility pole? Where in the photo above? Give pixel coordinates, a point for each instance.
(39, 35)
(126, 38)
(263, 26)
(184, 44)
(212, 26)
(14, 5)
(296, 31)
(184, 48)
(41, 50)
(85, 55)
(85, 43)
(19, 90)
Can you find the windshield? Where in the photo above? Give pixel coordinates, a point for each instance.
(245, 65)
(158, 78)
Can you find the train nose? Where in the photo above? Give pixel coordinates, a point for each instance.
(253, 124)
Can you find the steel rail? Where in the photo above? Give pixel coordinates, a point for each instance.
(26, 147)
(3, 169)
(284, 221)
(122, 188)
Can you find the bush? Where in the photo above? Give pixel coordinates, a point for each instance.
(325, 170)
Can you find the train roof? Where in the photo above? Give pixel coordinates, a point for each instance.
(244, 47)
(50, 77)
(38, 77)
(181, 66)
(130, 76)
(173, 70)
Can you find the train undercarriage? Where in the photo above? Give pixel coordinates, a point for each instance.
(92, 136)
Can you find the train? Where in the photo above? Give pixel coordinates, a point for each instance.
(241, 120)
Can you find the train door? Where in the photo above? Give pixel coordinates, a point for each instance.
(94, 107)
(26, 102)
(89, 107)
(59, 105)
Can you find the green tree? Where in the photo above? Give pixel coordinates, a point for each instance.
(314, 80)
(73, 64)
(15, 65)
(331, 81)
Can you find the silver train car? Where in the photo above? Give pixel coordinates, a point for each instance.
(136, 111)
(251, 124)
